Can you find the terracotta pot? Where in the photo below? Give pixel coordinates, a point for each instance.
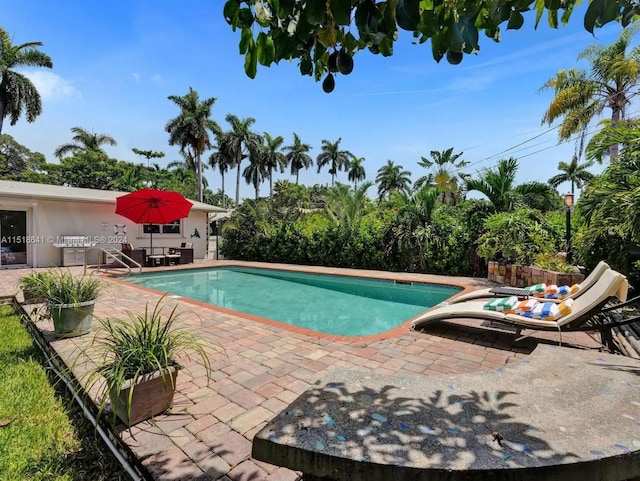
(152, 394)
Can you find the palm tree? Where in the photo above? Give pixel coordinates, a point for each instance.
(257, 170)
(297, 156)
(334, 157)
(84, 141)
(356, 171)
(132, 179)
(391, 178)
(573, 172)
(17, 92)
(581, 96)
(272, 157)
(191, 129)
(446, 164)
(411, 233)
(238, 144)
(348, 207)
(223, 163)
(498, 186)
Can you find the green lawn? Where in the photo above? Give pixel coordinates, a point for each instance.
(43, 436)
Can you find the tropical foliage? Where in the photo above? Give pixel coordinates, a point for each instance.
(325, 36)
(297, 156)
(332, 156)
(18, 95)
(84, 141)
(573, 172)
(580, 95)
(192, 129)
(498, 186)
(391, 178)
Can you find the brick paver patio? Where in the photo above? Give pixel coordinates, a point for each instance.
(265, 367)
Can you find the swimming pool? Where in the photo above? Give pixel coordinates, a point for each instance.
(340, 305)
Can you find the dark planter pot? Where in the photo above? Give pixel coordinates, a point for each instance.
(152, 395)
(71, 320)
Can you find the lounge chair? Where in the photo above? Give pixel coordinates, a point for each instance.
(584, 316)
(586, 284)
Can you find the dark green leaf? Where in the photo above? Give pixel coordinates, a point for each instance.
(230, 12)
(386, 47)
(245, 18)
(408, 14)
(251, 62)
(318, 51)
(315, 11)
(285, 45)
(246, 39)
(265, 49)
(306, 66)
(516, 20)
(341, 11)
(350, 42)
(596, 7)
(469, 32)
(428, 23)
(283, 8)
(610, 13)
(552, 4)
(552, 17)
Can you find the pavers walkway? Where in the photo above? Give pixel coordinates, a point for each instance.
(265, 367)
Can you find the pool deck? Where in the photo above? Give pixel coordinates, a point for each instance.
(266, 366)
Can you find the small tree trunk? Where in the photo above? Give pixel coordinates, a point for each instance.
(297, 175)
(615, 119)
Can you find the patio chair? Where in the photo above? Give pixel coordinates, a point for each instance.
(173, 256)
(584, 286)
(589, 311)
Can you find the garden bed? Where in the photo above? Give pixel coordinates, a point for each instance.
(521, 276)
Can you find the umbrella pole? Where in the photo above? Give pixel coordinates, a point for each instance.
(151, 238)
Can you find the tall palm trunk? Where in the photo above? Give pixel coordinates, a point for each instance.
(270, 182)
(223, 199)
(615, 120)
(297, 175)
(2, 110)
(239, 161)
(199, 170)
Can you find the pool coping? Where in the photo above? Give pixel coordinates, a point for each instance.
(322, 270)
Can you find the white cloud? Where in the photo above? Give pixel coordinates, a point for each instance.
(50, 85)
(136, 76)
(157, 78)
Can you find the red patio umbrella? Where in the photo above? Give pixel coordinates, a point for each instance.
(151, 206)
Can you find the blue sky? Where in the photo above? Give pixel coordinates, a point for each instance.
(115, 63)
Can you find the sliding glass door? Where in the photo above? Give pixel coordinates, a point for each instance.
(13, 237)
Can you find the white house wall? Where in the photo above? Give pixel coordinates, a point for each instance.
(49, 220)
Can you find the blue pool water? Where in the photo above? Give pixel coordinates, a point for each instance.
(348, 306)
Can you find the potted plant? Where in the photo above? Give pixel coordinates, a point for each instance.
(32, 287)
(136, 357)
(69, 301)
